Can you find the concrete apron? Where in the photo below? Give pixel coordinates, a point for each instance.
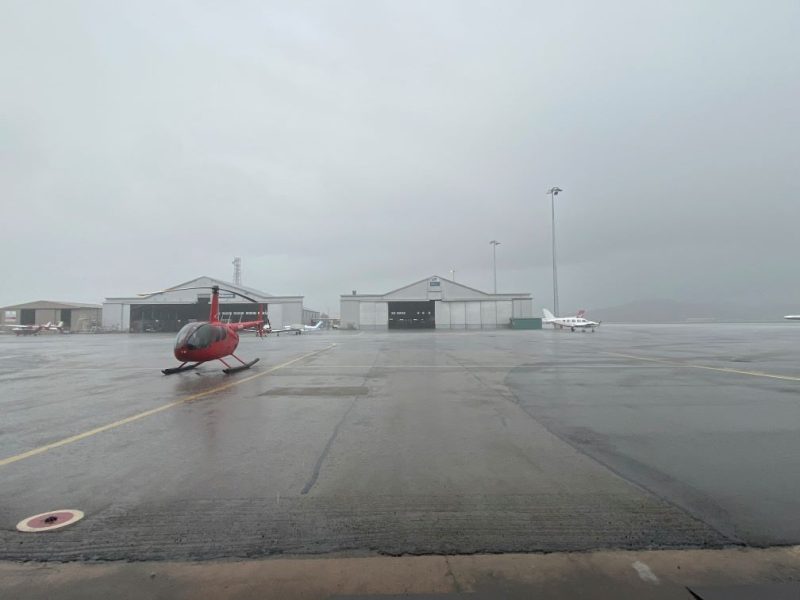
(710, 574)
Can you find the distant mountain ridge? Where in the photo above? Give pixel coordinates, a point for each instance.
(674, 311)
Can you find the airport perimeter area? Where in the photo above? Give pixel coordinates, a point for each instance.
(357, 445)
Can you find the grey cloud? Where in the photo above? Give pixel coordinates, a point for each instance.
(367, 144)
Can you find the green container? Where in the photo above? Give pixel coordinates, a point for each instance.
(532, 323)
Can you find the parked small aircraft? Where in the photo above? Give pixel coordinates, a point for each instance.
(295, 329)
(572, 323)
(37, 329)
(27, 329)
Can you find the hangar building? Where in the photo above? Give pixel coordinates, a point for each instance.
(75, 316)
(433, 303)
(170, 310)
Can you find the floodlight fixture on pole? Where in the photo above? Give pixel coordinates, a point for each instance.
(495, 244)
(554, 191)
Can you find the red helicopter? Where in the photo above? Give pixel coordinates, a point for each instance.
(202, 341)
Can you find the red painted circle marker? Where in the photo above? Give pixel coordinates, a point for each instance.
(54, 519)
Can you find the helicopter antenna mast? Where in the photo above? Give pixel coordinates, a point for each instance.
(237, 271)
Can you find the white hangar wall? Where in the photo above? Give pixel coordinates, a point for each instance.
(433, 302)
(171, 309)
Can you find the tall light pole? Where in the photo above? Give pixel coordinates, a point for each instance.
(553, 191)
(495, 244)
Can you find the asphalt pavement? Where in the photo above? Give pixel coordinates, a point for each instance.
(362, 443)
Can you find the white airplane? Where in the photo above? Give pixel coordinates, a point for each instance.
(792, 317)
(573, 323)
(284, 329)
(295, 329)
(27, 329)
(304, 328)
(59, 328)
(37, 329)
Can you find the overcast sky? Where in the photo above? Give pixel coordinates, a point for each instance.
(365, 145)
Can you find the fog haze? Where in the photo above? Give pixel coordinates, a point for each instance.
(365, 145)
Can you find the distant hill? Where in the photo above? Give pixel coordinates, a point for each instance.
(673, 311)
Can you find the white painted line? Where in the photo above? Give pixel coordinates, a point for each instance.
(158, 409)
(645, 573)
(684, 365)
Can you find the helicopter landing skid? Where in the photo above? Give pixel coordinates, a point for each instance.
(183, 367)
(242, 367)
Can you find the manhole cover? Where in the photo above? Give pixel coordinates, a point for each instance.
(54, 519)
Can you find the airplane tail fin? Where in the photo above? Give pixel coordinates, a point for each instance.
(547, 314)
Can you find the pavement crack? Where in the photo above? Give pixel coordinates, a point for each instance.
(323, 455)
(315, 474)
(452, 575)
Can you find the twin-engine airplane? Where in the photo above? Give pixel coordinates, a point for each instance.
(572, 323)
(203, 341)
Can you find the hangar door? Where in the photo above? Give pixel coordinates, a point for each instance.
(412, 315)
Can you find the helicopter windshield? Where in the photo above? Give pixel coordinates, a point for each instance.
(194, 336)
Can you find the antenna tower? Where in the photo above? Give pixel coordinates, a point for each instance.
(237, 271)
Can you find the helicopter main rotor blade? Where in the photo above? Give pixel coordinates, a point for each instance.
(242, 295)
(173, 290)
(204, 287)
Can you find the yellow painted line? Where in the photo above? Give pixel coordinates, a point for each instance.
(707, 368)
(153, 411)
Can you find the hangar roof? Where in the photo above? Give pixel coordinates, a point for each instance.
(50, 305)
(205, 280)
(451, 290)
(175, 293)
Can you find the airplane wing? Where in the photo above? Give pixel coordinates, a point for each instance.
(286, 329)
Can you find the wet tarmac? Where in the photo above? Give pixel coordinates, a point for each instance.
(404, 443)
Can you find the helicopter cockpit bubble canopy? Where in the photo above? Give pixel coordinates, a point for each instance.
(194, 336)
